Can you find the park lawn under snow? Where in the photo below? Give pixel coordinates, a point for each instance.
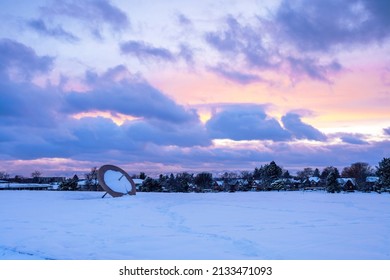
(252, 225)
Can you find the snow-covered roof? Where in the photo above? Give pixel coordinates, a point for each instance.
(314, 179)
(343, 181)
(219, 183)
(372, 179)
(138, 181)
(21, 185)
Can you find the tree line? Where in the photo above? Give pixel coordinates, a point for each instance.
(273, 177)
(266, 177)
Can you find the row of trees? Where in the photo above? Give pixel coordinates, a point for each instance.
(273, 177)
(269, 177)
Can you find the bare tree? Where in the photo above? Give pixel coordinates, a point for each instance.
(4, 175)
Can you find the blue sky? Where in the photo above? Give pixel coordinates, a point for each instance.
(170, 86)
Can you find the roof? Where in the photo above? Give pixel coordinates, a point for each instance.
(138, 181)
(372, 179)
(314, 179)
(343, 181)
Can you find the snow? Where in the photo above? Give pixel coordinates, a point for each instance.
(251, 225)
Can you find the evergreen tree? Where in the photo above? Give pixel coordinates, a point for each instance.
(142, 175)
(183, 181)
(383, 172)
(273, 171)
(328, 170)
(203, 180)
(316, 173)
(332, 185)
(286, 174)
(69, 185)
(151, 185)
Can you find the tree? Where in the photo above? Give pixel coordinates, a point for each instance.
(328, 170)
(332, 185)
(359, 171)
(305, 173)
(203, 180)
(151, 185)
(4, 175)
(91, 182)
(316, 173)
(272, 171)
(258, 173)
(184, 181)
(383, 172)
(69, 184)
(286, 175)
(142, 175)
(163, 181)
(35, 175)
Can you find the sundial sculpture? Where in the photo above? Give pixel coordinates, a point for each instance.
(115, 181)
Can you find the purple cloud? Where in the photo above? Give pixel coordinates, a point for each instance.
(311, 68)
(246, 41)
(353, 139)
(322, 25)
(94, 13)
(387, 130)
(235, 76)
(293, 123)
(57, 32)
(146, 51)
(165, 134)
(245, 122)
(22, 61)
(129, 97)
(183, 20)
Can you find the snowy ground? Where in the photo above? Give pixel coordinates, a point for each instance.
(253, 225)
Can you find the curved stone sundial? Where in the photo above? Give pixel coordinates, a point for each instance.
(115, 181)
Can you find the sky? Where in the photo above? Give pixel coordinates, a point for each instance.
(173, 86)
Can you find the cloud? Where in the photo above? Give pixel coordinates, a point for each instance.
(355, 139)
(187, 54)
(240, 41)
(133, 97)
(245, 122)
(387, 130)
(235, 76)
(166, 134)
(145, 51)
(293, 123)
(323, 25)
(183, 20)
(57, 32)
(21, 62)
(259, 47)
(38, 122)
(93, 13)
(313, 69)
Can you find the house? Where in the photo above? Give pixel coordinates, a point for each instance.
(372, 183)
(347, 184)
(312, 183)
(138, 183)
(25, 186)
(218, 185)
(258, 185)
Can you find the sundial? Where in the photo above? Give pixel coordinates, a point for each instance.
(115, 181)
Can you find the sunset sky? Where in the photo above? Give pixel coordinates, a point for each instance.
(172, 86)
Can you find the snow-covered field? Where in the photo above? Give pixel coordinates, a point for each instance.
(253, 225)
